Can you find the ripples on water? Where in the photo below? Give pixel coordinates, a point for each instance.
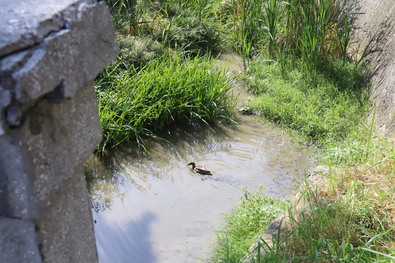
(150, 207)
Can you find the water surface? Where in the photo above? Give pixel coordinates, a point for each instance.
(150, 207)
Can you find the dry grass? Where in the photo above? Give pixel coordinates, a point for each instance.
(348, 218)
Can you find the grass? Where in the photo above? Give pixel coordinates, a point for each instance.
(308, 29)
(168, 90)
(349, 219)
(322, 106)
(242, 225)
(295, 55)
(199, 28)
(164, 72)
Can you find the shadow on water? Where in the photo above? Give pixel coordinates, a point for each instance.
(136, 246)
(128, 185)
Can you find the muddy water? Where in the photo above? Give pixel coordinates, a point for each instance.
(151, 208)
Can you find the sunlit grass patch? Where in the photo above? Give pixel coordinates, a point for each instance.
(243, 225)
(320, 104)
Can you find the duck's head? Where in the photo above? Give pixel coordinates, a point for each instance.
(192, 163)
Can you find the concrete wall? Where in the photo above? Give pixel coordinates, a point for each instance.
(373, 41)
(50, 53)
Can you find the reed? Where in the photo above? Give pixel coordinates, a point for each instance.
(308, 29)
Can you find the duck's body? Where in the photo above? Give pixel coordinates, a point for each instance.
(200, 169)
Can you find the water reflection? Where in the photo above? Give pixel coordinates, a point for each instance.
(149, 206)
(136, 245)
(128, 186)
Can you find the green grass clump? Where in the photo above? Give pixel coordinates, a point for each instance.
(321, 105)
(243, 224)
(169, 89)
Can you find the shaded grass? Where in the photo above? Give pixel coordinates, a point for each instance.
(186, 25)
(134, 104)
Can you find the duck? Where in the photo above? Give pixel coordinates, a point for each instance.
(200, 169)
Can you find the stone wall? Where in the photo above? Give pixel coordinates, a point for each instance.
(373, 41)
(50, 52)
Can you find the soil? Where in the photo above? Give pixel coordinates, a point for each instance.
(373, 41)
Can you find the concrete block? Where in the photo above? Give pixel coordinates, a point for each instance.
(66, 227)
(18, 241)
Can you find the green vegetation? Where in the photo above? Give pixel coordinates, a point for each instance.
(325, 106)
(153, 31)
(296, 61)
(168, 90)
(246, 220)
(164, 72)
(349, 219)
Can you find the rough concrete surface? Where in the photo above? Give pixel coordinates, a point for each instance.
(373, 41)
(69, 131)
(66, 229)
(50, 52)
(16, 239)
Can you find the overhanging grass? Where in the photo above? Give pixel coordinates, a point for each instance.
(351, 218)
(169, 89)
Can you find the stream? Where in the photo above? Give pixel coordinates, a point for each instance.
(150, 207)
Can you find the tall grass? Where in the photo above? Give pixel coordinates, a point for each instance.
(248, 26)
(309, 29)
(169, 89)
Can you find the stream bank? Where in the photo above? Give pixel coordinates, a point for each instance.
(151, 207)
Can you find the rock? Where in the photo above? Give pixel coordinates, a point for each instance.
(319, 175)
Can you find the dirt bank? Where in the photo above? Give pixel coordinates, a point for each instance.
(373, 40)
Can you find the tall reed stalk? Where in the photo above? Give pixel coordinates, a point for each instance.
(310, 29)
(248, 26)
